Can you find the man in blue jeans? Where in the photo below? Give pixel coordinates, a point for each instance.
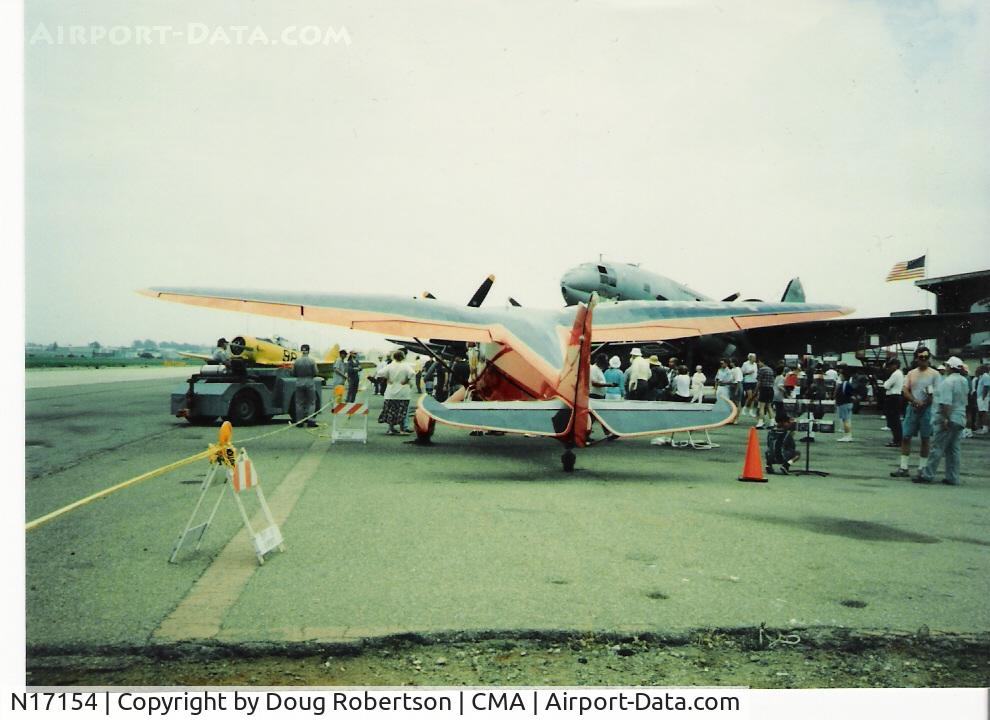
(949, 421)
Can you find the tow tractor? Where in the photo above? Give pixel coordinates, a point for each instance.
(244, 395)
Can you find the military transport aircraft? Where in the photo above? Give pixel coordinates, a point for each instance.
(622, 281)
(534, 365)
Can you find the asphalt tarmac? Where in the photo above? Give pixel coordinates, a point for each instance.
(481, 534)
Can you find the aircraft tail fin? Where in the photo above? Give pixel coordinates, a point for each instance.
(794, 292)
(332, 354)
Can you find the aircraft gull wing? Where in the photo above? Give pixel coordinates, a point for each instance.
(645, 320)
(372, 313)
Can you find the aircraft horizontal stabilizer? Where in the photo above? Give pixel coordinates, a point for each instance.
(531, 417)
(636, 418)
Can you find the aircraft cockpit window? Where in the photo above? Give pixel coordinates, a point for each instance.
(661, 297)
(603, 270)
(606, 280)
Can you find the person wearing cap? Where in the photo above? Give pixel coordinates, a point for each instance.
(304, 369)
(919, 388)
(637, 376)
(780, 445)
(220, 354)
(339, 371)
(949, 421)
(615, 378)
(353, 368)
(658, 378)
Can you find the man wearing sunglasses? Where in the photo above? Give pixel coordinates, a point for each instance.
(919, 389)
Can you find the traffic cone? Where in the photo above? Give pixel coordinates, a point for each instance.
(753, 467)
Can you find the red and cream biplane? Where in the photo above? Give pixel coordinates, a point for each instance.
(534, 365)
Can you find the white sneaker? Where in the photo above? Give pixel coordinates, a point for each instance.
(983, 430)
(967, 433)
(885, 428)
(845, 438)
(759, 425)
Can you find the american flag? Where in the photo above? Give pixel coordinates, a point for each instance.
(907, 270)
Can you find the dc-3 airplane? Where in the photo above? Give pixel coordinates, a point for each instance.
(622, 282)
(534, 365)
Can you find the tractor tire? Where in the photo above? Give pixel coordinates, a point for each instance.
(245, 408)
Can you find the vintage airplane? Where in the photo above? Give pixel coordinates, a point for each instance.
(267, 352)
(534, 365)
(622, 281)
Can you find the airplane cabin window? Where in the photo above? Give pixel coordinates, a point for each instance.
(661, 297)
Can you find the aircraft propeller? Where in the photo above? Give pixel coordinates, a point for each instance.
(479, 295)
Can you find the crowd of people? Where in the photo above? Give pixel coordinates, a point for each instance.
(940, 406)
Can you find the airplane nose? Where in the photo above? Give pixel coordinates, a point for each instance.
(577, 284)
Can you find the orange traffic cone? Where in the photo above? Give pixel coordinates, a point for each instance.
(753, 467)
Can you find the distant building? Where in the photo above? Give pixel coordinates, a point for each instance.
(967, 292)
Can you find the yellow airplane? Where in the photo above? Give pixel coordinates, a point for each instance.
(268, 352)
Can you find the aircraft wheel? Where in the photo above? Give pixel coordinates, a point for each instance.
(568, 460)
(244, 408)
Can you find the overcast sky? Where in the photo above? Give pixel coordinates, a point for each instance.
(425, 145)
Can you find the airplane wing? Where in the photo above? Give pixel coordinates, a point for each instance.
(372, 313)
(537, 335)
(858, 333)
(646, 320)
(197, 356)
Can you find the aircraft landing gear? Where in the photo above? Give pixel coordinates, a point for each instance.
(568, 460)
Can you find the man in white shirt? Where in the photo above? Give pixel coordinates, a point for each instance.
(919, 389)
(737, 388)
(749, 370)
(637, 376)
(893, 402)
